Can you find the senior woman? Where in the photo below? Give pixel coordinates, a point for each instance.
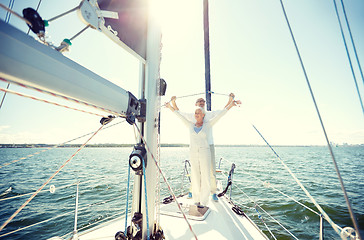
(200, 152)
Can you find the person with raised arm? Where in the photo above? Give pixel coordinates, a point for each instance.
(200, 153)
(200, 102)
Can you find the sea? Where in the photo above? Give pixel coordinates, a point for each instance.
(261, 185)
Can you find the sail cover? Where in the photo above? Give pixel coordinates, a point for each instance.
(131, 25)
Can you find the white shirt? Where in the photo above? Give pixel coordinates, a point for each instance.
(208, 116)
(204, 137)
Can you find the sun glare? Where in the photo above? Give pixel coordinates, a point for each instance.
(171, 14)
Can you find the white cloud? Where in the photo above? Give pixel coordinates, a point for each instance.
(4, 127)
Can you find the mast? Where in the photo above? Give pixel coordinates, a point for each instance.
(150, 89)
(207, 53)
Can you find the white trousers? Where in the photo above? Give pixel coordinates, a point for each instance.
(200, 174)
(213, 170)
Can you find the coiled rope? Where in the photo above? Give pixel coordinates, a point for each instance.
(325, 134)
(49, 179)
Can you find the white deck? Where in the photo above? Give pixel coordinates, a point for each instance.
(220, 223)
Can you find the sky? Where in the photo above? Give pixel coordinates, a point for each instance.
(252, 55)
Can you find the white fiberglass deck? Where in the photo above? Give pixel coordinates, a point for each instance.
(220, 223)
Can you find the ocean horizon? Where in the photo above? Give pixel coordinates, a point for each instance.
(102, 174)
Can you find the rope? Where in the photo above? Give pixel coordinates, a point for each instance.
(8, 13)
(168, 185)
(146, 198)
(35, 224)
(40, 189)
(49, 102)
(79, 33)
(191, 95)
(196, 94)
(61, 96)
(259, 216)
(22, 195)
(91, 224)
(267, 184)
(352, 41)
(7, 19)
(347, 52)
(64, 214)
(324, 131)
(16, 14)
(334, 226)
(256, 204)
(3, 98)
(40, 1)
(127, 201)
(55, 146)
(63, 14)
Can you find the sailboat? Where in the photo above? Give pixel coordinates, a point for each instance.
(38, 66)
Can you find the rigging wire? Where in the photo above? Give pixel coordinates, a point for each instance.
(40, 1)
(58, 96)
(268, 185)
(65, 214)
(8, 13)
(56, 146)
(26, 194)
(49, 179)
(352, 41)
(146, 198)
(35, 224)
(7, 19)
(328, 219)
(127, 201)
(166, 181)
(348, 54)
(16, 14)
(254, 208)
(49, 102)
(323, 127)
(196, 94)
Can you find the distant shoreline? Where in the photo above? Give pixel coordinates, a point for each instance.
(112, 145)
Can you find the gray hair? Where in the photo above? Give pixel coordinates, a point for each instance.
(202, 110)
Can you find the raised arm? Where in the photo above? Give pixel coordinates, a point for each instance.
(176, 111)
(223, 112)
(233, 104)
(231, 98)
(173, 101)
(168, 105)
